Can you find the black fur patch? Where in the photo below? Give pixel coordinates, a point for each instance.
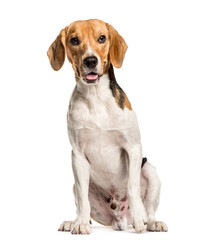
(116, 88)
(144, 160)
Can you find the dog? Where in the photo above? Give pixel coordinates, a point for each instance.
(114, 184)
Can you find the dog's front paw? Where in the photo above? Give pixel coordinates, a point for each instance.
(65, 226)
(75, 227)
(139, 222)
(140, 226)
(79, 228)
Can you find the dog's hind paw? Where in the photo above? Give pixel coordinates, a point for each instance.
(154, 226)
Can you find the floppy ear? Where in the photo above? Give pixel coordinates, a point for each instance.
(56, 52)
(117, 48)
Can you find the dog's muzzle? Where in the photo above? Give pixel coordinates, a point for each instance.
(90, 63)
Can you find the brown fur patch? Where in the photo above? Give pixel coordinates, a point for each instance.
(88, 33)
(118, 47)
(117, 92)
(127, 103)
(56, 52)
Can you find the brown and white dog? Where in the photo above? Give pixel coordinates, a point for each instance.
(113, 183)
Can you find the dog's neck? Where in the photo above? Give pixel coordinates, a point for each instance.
(104, 89)
(87, 91)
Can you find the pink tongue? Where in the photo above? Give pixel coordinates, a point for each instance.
(92, 76)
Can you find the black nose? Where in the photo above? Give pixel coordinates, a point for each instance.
(90, 62)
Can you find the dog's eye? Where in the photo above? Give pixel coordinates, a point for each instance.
(75, 41)
(102, 39)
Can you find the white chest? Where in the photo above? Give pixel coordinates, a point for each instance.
(98, 109)
(103, 149)
(100, 130)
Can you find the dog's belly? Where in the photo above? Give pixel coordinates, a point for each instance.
(108, 161)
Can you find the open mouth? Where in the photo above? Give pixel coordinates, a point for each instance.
(91, 77)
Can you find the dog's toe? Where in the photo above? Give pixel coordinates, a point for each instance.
(65, 226)
(80, 228)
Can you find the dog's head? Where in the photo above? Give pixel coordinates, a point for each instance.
(90, 46)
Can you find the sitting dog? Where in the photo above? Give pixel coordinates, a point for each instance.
(114, 184)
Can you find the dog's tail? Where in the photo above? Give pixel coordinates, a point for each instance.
(144, 160)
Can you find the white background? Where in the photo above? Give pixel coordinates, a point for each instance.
(164, 75)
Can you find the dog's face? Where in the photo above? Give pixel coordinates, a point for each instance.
(90, 47)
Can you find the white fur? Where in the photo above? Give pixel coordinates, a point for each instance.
(90, 50)
(99, 130)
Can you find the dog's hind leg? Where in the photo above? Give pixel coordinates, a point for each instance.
(151, 198)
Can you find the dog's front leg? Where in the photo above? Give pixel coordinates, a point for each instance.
(137, 210)
(81, 171)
